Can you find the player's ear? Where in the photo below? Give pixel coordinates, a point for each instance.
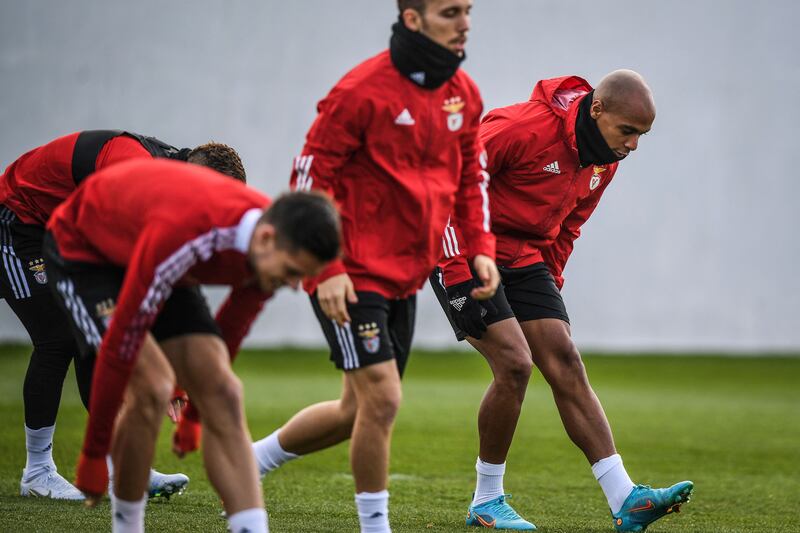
(412, 19)
(263, 237)
(597, 109)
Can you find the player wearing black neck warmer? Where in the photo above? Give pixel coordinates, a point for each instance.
(551, 159)
(396, 144)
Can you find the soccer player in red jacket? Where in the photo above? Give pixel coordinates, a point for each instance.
(395, 142)
(30, 188)
(550, 159)
(123, 241)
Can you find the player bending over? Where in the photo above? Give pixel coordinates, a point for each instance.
(126, 239)
(551, 159)
(30, 188)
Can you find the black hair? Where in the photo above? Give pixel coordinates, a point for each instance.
(417, 5)
(306, 221)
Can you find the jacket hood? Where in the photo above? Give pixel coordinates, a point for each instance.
(559, 93)
(562, 96)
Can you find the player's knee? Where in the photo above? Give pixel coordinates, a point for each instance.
(225, 399)
(151, 398)
(568, 372)
(381, 409)
(513, 365)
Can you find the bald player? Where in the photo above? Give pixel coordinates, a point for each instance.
(550, 159)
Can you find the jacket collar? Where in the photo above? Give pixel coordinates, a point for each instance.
(244, 231)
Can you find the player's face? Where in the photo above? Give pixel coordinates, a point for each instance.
(276, 266)
(446, 22)
(622, 129)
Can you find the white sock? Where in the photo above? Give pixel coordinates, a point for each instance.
(269, 453)
(127, 517)
(490, 482)
(614, 481)
(39, 444)
(373, 511)
(250, 520)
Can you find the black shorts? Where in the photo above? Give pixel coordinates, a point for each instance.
(381, 330)
(87, 293)
(23, 273)
(527, 293)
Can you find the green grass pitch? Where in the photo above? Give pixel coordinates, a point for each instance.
(732, 425)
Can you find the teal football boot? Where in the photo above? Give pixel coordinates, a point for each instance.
(497, 514)
(644, 505)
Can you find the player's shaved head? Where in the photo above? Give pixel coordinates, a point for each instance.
(623, 109)
(625, 92)
(417, 5)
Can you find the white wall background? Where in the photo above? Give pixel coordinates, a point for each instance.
(694, 246)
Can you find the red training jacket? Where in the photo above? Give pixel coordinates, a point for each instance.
(539, 194)
(34, 185)
(39, 180)
(164, 222)
(398, 159)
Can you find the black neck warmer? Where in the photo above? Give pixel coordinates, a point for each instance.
(592, 147)
(421, 60)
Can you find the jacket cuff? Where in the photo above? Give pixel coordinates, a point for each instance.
(485, 246)
(335, 268)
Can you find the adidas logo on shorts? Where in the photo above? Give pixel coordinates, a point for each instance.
(458, 303)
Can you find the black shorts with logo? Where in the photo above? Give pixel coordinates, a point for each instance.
(527, 293)
(87, 293)
(23, 273)
(381, 330)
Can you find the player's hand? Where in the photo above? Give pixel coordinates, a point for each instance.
(186, 437)
(92, 478)
(486, 271)
(467, 312)
(176, 404)
(334, 294)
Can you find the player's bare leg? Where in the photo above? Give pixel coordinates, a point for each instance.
(559, 361)
(505, 349)
(321, 425)
(314, 428)
(378, 393)
(203, 369)
(138, 424)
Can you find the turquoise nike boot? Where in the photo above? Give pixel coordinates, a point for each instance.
(644, 505)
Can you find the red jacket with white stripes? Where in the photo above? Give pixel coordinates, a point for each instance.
(398, 159)
(39, 180)
(540, 195)
(166, 223)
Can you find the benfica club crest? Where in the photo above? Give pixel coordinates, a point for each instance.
(37, 267)
(596, 177)
(370, 336)
(105, 310)
(455, 118)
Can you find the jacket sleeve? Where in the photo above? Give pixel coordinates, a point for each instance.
(237, 313)
(471, 213)
(335, 135)
(454, 265)
(153, 269)
(556, 255)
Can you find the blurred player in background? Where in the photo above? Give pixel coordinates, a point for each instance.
(550, 159)
(396, 144)
(31, 187)
(125, 239)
